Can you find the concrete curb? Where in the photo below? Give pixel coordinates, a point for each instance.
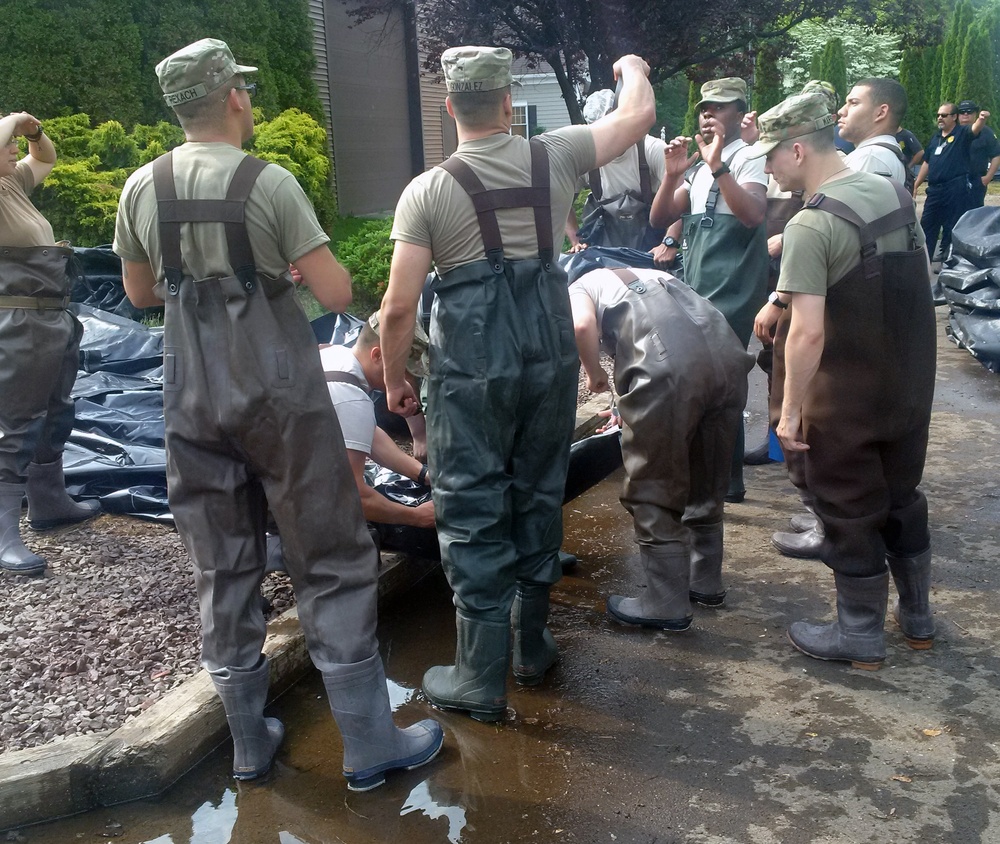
(152, 751)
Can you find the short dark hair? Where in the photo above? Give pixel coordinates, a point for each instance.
(887, 91)
(476, 109)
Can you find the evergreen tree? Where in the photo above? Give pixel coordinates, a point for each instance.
(816, 65)
(932, 71)
(951, 54)
(975, 82)
(767, 80)
(912, 78)
(833, 66)
(691, 118)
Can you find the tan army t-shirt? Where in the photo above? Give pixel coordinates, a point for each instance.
(20, 223)
(436, 212)
(820, 249)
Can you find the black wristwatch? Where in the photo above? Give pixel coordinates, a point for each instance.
(670, 243)
(422, 477)
(774, 300)
(723, 169)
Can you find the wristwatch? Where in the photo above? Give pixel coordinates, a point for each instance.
(670, 242)
(774, 300)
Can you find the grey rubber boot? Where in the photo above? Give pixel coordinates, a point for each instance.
(535, 650)
(912, 612)
(14, 557)
(856, 636)
(255, 738)
(665, 604)
(805, 545)
(801, 522)
(49, 506)
(373, 744)
(706, 586)
(477, 682)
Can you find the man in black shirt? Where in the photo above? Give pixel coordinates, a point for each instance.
(946, 170)
(984, 153)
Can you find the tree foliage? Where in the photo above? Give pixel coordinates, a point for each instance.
(80, 196)
(975, 80)
(954, 46)
(581, 39)
(98, 56)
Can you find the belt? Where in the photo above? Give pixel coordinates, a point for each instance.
(35, 303)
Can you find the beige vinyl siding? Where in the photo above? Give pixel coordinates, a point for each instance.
(321, 75)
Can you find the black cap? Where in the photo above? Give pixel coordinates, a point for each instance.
(967, 107)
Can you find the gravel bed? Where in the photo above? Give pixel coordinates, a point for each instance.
(111, 627)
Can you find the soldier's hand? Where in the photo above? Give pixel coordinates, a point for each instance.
(986, 181)
(749, 132)
(789, 432)
(675, 156)
(663, 256)
(402, 399)
(424, 515)
(764, 322)
(711, 151)
(598, 382)
(577, 247)
(633, 61)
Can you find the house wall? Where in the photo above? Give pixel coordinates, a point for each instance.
(368, 92)
(541, 90)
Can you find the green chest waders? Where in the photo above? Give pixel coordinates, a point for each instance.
(39, 357)
(622, 219)
(726, 262)
(249, 424)
(867, 412)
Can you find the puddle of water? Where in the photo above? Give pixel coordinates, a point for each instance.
(489, 784)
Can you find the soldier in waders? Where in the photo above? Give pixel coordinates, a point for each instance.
(854, 358)
(723, 200)
(503, 363)
(249, 423)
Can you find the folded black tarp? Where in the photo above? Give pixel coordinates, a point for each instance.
(971, 285)
(116, 450)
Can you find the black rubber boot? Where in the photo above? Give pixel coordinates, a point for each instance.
(373, 744)
(856, 636)
(477, 682)
(535, 650)
(255, 738)
(49, 506)
(912, 612)
(14, 557)
(706, 586)
(665, 604)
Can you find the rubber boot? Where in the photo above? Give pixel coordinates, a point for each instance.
(913, 610)
(373, 744)
(706, 586)
(255, 738)
(568, 561)
(535, 650)
(856, 636)
(802, 522)
(49, 506)
(477, 682)
(804, 546)
(759, 456)
(14, 557)
(665, 605)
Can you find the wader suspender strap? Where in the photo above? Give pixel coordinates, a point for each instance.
(708, 218)
(645, 186)
(487, 201)
(347, 378)
(905, 215)
(229, 211)
(630, 279)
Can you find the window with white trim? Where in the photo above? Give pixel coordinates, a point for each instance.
(519, 119)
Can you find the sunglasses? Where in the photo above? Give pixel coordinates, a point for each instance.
(967, 111)
(949, 114)
(250, 88)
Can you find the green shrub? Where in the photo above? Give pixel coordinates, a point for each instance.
(80, 201)
(367, 255)
(298, 143)
(113, 147)
(71, 135)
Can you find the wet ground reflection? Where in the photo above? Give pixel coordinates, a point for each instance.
(490, 783)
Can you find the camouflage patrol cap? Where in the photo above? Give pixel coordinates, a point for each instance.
(801, 114)
(416, 363)
(727, 90)
(196, 70)
(598, 105)
(818, 86)
(476, 68)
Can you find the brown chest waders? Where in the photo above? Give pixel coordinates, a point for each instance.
(867, 411)
(249, 424)
(680, 374)
(39, 357)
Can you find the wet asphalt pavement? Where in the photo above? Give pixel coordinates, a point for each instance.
(720, 735)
